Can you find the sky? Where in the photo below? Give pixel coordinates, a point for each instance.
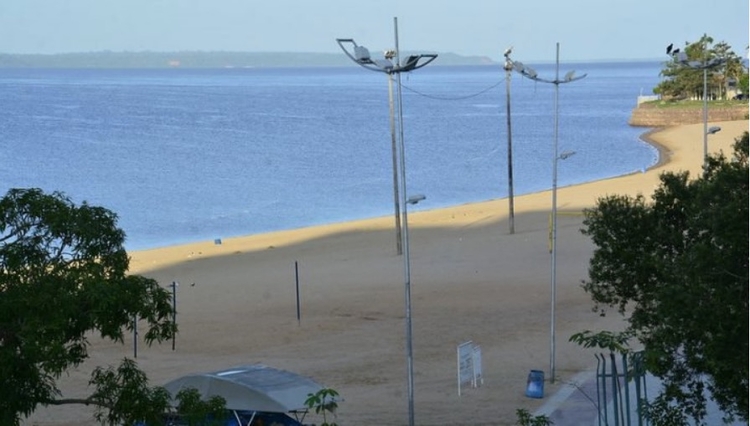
(587, 30)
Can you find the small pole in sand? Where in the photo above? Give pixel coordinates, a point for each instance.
(174, 312)
(296, 279)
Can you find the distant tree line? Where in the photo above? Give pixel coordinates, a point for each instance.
(196, 59)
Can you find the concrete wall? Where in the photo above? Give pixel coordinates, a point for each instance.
(648, 115)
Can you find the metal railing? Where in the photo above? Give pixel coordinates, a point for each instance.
(613, 389)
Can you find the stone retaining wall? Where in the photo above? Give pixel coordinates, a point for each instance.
(647, 115)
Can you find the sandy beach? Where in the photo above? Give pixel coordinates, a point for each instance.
(471, 281)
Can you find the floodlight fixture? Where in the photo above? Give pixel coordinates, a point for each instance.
(361, 55)
(565, 155)
(414, 199)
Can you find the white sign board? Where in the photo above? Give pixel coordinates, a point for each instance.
(469, 365)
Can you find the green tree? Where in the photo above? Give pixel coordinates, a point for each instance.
(731, 69)
(677, 269)
(681, 82)
(122, 396)
(524, 418)
(743, 83)
(62, 277)
(197, 412)
(323, 402)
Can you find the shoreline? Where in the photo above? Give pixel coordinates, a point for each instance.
(265, 240)
(340, 321)
(663, 150)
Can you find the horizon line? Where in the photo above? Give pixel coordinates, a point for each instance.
(280, 52)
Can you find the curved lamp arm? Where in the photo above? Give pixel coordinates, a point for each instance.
(531, 74)
(682, 59)
(362, 57)
(571, 79)
(412, 62)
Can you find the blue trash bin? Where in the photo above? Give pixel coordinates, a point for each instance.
(535, 384)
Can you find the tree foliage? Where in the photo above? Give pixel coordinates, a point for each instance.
(617, 342)
(682, 82)
(744, 84)
(63, 277)
(324, 402)
(196, 412)
(677, 267)
(524, 418)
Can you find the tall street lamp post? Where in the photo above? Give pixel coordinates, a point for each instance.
(407, 298)
(508, 67)
(362, 57)
(681, 58)
(530, 73)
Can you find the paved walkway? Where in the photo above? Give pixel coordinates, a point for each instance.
(574, 403)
